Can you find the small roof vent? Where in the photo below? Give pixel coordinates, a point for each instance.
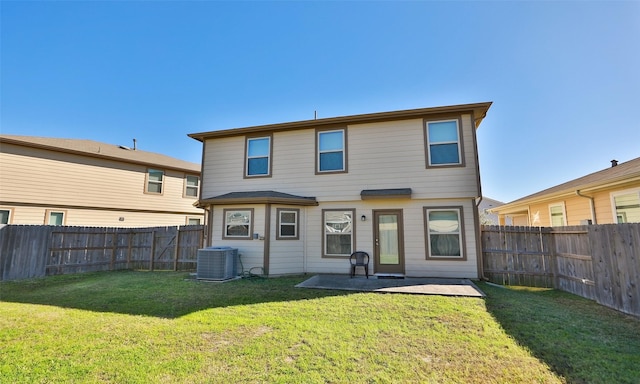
(614, 163)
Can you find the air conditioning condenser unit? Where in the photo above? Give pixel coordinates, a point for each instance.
(217, 263)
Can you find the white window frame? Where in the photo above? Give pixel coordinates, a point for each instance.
(564, 214)
(188, 187)
(148, 182)
(614, 209)
(9, 214)
(326, 233)
(296, 224)
(247, 157)
(343, 150)
(49, 212)
(458, 142)
(226, 223)
(459, 233)
(189, 218)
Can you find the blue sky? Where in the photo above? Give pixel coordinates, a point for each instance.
(564, 77)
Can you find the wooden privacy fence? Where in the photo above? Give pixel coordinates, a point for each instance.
(599, 262)
(37, 251)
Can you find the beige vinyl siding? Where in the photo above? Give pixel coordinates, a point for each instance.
(287, 256)
(72, 180)
(604, 209)
(305, 255)
(92, 191)
(99, 218)
(377, 152)
(251, 251)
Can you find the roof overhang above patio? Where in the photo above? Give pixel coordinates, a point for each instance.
(258, 197)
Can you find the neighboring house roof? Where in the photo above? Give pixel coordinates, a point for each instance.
(619, 174)
(260, 197)
(479, 111)
(102, 150)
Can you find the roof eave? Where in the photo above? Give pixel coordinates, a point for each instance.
(96, 155)
(516, 205)
(479, 111)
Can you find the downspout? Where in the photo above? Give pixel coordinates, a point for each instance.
(476, 213)
(592, 204)
(476, 218)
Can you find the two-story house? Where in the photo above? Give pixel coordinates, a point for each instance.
(54, 181)
(300, 197)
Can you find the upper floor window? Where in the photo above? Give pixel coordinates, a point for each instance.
(443, 143)
(258, 162)
(338, 232)
(191, 186)
(331, 151)
(288, 224)
(557, 215)
(238, 223)
(155, 178)
(444, 233)
(626, 206)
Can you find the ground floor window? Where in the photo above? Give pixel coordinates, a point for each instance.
(288, 224)
(626, 205)
(556, 212)
(338, 232)
(55, 218)
(194, 221)
(238, 223)
(445, 233)
(4, 216)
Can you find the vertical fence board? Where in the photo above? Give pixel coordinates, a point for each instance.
(598, 262)
(36, 251)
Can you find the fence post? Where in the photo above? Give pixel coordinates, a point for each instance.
(553, 258)
(176, 249)
(153, 249)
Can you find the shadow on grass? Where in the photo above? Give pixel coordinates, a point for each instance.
(159, 294)
(579, 339)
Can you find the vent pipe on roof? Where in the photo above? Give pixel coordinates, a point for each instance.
(134, 144)
(614, 163)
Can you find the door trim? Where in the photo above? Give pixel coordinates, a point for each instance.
(388, 269)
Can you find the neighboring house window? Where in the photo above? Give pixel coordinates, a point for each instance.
(445, 233)
(557, 215)
(331, 151)
(194, 221)
(288, 224)
(155, 178)
(258, 156)
(626, 206)
(338, 232)
(5, 216)
(191, 186)
(443, 143)
(238, 223)
(55, 217)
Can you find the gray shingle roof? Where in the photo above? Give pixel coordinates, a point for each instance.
(260, 197)
(102, 150)
(621, 172)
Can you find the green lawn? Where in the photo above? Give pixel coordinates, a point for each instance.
(140, 327)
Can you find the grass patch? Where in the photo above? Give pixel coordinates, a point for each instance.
(164, 327)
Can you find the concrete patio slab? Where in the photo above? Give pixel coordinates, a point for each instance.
(411, 285)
